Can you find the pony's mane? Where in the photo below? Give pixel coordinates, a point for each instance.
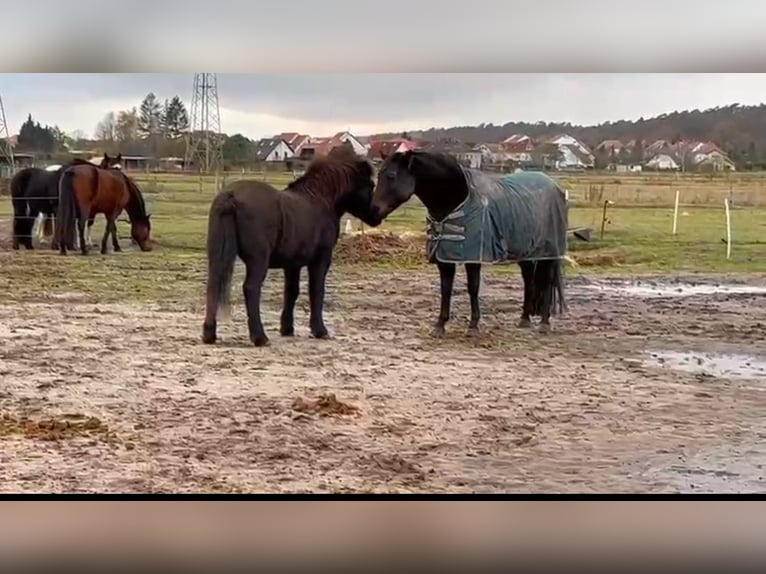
(328, 177)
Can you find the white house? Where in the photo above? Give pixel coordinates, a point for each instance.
(273, 149)
(575, 153)
(662, 162)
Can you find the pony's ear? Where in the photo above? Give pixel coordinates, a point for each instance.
(106, 157)
(119, 157)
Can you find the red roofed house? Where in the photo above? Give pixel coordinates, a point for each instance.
(317, 147)
(519, 147)
(294, 140)
(381, 149)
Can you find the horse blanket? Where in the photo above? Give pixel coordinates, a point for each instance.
(507, 218)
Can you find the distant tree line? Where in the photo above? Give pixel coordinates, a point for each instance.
(153, 128)
(738, 130)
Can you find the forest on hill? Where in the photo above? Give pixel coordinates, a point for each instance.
(738, 130)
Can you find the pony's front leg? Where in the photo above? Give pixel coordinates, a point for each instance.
(292, 289)
(317, 278)
(473, 279)
(528, 306)
(447, 280)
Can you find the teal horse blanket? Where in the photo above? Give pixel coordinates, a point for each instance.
(504, 218)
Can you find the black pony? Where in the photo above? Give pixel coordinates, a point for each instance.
(476, 218)
(35, 191)
(289, 229)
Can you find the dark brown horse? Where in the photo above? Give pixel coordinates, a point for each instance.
(290, 229)
(34, 194)
(85, 191)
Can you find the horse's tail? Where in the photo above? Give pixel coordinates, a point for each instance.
(558, 301)
(66, 213)
(222, 249)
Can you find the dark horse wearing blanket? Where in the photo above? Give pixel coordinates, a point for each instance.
(87, 190)
(35, 192)
(290, 229)
(476, 218)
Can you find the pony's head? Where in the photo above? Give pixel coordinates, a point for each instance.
(345, 181)
(402, 173)
(111, 162)
(141, 232)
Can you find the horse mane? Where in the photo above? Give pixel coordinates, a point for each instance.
(326, 178)
(436, 159)
(136, 194)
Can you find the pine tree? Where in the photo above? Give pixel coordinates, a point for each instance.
(149, 117)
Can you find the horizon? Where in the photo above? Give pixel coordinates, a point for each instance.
(264, 105)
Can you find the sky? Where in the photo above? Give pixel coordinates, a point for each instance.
(261, 105)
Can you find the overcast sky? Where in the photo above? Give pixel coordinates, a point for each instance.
(260, 105)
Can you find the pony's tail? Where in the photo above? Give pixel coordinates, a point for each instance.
(222, 249)
(67, 212)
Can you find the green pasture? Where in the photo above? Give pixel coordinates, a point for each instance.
(637, 239)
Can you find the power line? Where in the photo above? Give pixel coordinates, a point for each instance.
(204, 145)
(6, 149)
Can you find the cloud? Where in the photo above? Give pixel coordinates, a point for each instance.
(262, 104)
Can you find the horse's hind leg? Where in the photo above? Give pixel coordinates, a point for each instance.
(254, 277)
(545, 286)
(473, 278)
(81, 223)
(447, 280)
(527, 308)
(292, 289)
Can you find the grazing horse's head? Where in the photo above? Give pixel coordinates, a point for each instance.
(141, 232)
(111, 162)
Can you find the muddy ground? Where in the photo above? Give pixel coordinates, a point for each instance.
(125, 398)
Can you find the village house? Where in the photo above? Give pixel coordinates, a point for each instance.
(662, 162)
(294, 140)
(573, 154)
(518, 148)
(381, 149)
(273, 149)
(318, 147)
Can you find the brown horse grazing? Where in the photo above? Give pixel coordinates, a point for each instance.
(85, 191)
(289, 229)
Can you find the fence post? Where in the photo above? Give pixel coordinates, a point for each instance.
(728, 227)
(675, 213)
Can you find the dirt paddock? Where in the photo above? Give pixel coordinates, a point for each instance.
(111, 397)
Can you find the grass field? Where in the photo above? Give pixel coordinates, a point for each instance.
(637, 234)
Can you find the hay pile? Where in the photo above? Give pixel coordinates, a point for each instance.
(388, 248)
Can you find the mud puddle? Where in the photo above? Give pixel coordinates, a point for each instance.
(721, 365)
(650, 289)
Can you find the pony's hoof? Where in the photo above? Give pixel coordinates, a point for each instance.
(544, 328)
(287, 331)
(103, 252)
(524, 324)
(117, 249)
(473, 332)
(438, 332)
(208, 334)
(320, 333)
(262, 341)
